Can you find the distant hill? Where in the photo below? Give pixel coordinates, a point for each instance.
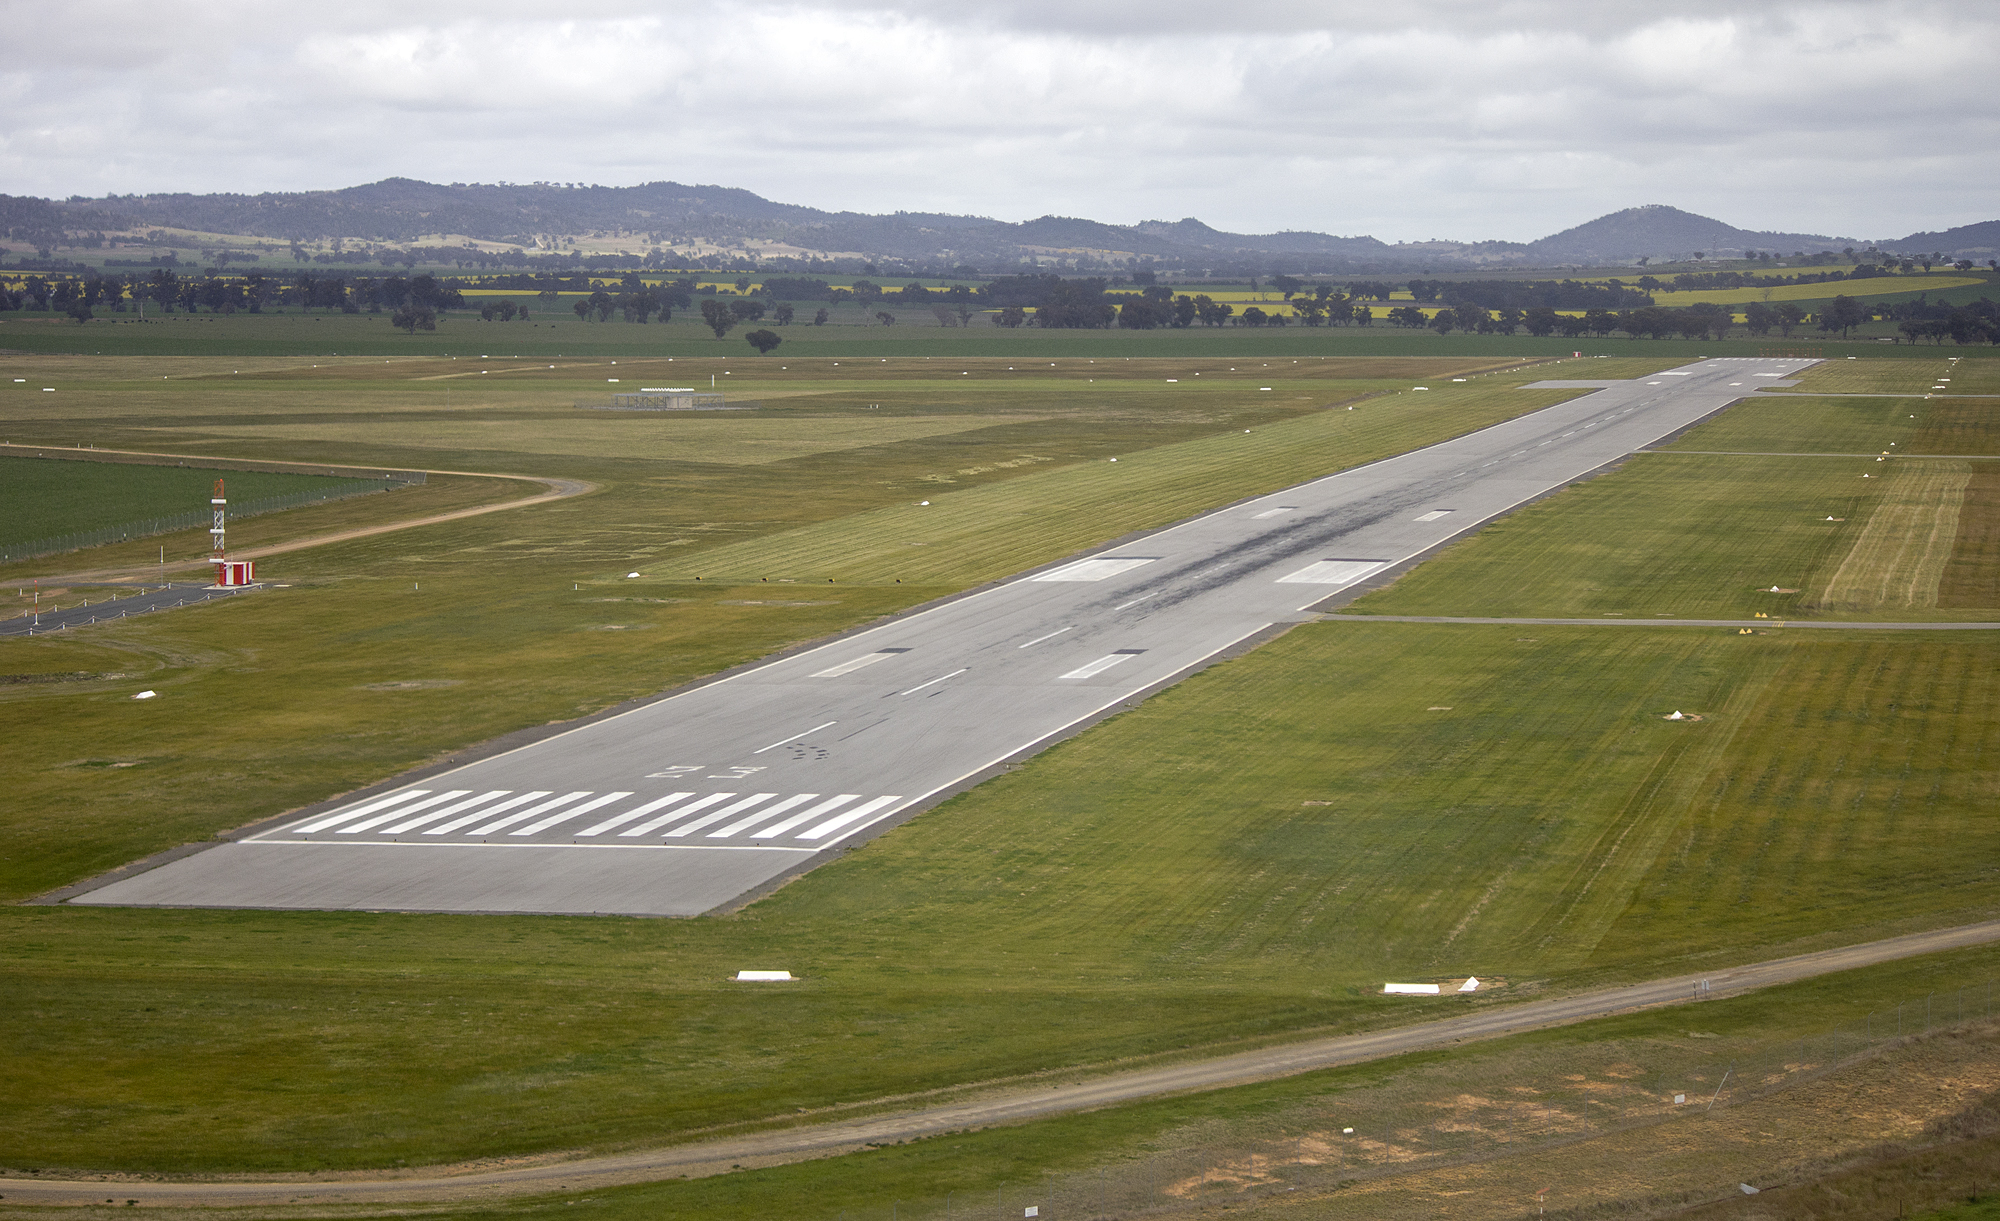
(552, 216)
(1660, 232)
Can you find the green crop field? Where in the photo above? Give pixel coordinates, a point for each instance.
(44, 497)
(1243, 858)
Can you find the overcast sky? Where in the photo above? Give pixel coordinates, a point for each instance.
(1465, 119)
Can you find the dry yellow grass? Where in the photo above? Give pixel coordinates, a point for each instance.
(1899, 556)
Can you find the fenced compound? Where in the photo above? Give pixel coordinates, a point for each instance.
(1456, 1113)
(196, 518)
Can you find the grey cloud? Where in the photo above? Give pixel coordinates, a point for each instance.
(1508, 119)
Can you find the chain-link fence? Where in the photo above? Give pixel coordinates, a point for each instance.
(1449, 1113)
(193, 519)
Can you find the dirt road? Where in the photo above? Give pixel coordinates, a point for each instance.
(1010, 1104)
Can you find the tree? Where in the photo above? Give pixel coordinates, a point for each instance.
(945, 315)
(414, 318)
(1788, 314)
(1540, 321)
(885, 317)
(763, 341)
(747, 311)
(1185, 311)
(582, 309)
(1758, 318)
(1408, 317)
(819, 319)
(79, 309)
(1254, 317)
(1842, 314)
(783, 314)
(717, 316)
(1012, 316)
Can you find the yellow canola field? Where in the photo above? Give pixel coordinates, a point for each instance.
(1880, 286)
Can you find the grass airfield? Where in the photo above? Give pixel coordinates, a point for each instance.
(1244, 857)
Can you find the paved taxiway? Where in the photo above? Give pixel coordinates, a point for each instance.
(687, 803)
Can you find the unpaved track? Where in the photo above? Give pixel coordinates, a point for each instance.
(558, 489)
(1010, 1105)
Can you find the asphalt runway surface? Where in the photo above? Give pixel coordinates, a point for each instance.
(1017, 1104)
(689, 803)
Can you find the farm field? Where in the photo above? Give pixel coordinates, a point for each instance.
(1242, 859)
(1968, 376)
(328, 335)
(44, 497)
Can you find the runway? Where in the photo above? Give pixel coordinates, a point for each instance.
(685, 804)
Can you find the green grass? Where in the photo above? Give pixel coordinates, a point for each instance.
(1156, 884)
(1684, 535)
(40, 498)
(1500, 800)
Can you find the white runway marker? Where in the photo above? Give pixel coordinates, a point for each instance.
(621, 819)
(1050, 636)
(806, 816)
(453, 795)
(849, 667)
(795, 737)
(858, 812)
(654, 824)
(319, 824)
(447, 812)
(1103, 663)
(709, 820)
(934, 682)
(789, 803)
(566, 815)
(462, 807)
(1136, 601)
(1096, 570)
(530, 812)
(1435, 514)
(1410, 989)
(1334, 572)
(1277, 512)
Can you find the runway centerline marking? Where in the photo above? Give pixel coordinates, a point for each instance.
(1101, 664)
(795, 737)
(1096, 569)
(849, 667)
(1051, 636)
(1136, 601)
(934, 682)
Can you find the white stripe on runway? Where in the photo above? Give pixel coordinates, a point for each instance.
(565, 816)
(530, 812)
(621, 819)
(455, 807)
(861, 811)
(787, 804)
(1279, 511)
(461, 807)
(866, 659)
(1103, 663)
(734, 807)
(1096, 570)
(428, 801)
(654, 824)
(317, 824)
(806, 816)
(1334, 572)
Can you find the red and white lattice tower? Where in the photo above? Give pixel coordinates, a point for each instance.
(228, 572)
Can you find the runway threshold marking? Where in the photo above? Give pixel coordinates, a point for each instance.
(1051, 636)
(530, 812)
(837, 822)
(620, 820)
(728, 811)
(393, 814)
(321, 824)
(654, 824)
(557, 819)
(461, 807)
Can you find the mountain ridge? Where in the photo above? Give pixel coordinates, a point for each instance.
(543, 216)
